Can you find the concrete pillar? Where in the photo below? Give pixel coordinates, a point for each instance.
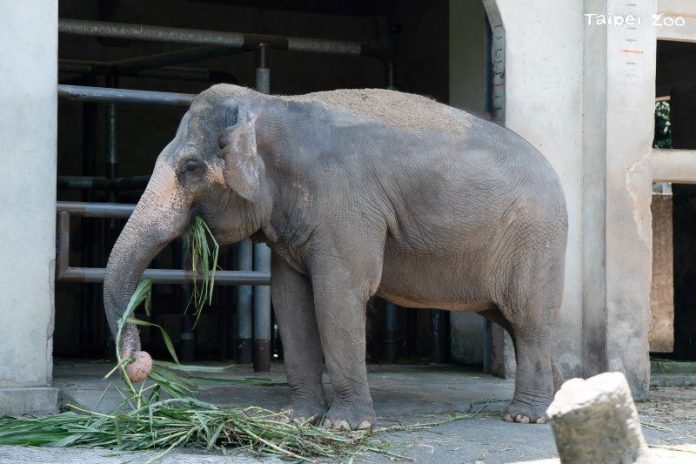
(619, 102)
(540, 68)
(468, 80)
(683, 100)
(28, 47)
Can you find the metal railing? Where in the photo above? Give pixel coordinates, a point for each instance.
(111, 95)
(67, 273)
(210, 44)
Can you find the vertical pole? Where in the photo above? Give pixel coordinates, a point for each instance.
(188, 340)
(391, 341)
(244, 263)
(90, 342)
(440, 348)
(262, 254)
(111, 172)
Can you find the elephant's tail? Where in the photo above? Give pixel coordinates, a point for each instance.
(558, 377)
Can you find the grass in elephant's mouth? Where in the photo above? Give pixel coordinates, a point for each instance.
(204, 251)
(163, 414)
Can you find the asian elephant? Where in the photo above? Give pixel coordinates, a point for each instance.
(361, 193)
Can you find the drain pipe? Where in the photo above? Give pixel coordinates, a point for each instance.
(262, 254)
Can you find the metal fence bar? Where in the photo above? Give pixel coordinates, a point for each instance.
(168, 276)
(227, 39)
(102, 94)
(262, 254)
(67, 273)
(164, 72)
(97, 210)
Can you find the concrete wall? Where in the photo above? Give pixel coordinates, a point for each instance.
(584, 96)
(28, 35)
(619, 102)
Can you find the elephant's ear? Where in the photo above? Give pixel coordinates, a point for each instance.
(238, 151)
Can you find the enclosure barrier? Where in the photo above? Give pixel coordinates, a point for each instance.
(212, 44)
(109, 95)
(67, 273)
(674, 165)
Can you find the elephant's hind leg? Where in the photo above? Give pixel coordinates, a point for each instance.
(533, 380)
(530, 315)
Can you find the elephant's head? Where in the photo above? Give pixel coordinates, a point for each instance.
(211, 168)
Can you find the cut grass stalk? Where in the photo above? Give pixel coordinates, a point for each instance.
(204, 251)
(144, 420)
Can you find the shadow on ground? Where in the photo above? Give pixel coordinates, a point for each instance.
(409, 394)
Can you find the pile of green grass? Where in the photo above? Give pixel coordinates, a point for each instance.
(163, 414)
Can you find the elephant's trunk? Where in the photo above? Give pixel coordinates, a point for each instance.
(159, 217)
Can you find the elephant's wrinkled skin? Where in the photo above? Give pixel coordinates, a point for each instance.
(361, 193)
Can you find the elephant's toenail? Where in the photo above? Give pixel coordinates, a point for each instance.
(507, 418)
(327, 423)
(541, 420)
(342, 425)
(365, 425)
(522, 419)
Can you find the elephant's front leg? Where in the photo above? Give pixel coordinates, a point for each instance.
(341, 292)
(293, 304)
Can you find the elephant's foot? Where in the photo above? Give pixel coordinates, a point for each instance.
(350, 416)
(527, 412)
(306, 410)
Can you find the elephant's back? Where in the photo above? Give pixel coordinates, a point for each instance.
(399, 110)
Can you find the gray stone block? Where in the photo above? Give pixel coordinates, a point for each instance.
(28, 400)
(595, 420)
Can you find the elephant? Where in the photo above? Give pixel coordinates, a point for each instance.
(361, 193)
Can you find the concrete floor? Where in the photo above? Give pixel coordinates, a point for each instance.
(408, 393)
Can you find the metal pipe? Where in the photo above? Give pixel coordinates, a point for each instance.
(111, 167)
(187, 335)
(262, 311)
(83, 182)
(167, 72)
(101, 94)
(391, 333)
(487, 347)
(159, 60)
(121, 184)
(227, 39)
(102, 183)
(440, 346)
(244, 299)
(167, 276)
(98, 210)
(161, 276)
(262, 254)
(92, 317)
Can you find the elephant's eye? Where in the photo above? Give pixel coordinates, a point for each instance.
(193, 169)
(193, 166)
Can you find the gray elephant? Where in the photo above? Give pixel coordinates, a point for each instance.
(361, 193)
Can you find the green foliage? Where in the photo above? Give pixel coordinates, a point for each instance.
(163, 414)
(204, 251)
(663, 125)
